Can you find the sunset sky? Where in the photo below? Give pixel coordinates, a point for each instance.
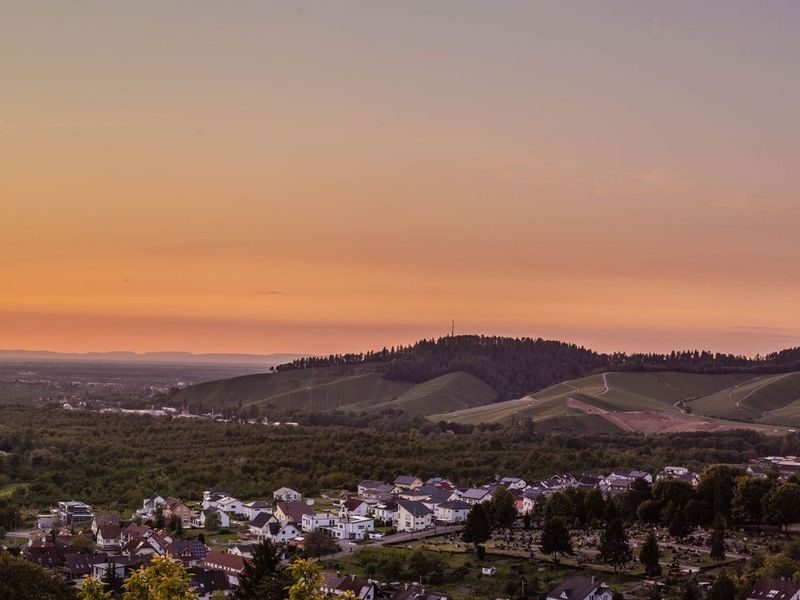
(255, 176)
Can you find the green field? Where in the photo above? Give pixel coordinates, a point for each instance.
(565, 405)
(765, 398)
(348, 388)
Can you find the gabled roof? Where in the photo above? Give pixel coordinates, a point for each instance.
(223, 560)
(109, 532)
(418, 509)
(261, 519)
(773, 589)
(455, 505)
(352, 503)
(106, 519)
(475, 493)
(345, 583)
(81, 563)
(405, 480)
(135, 531)
(440, 496)
(295, 510)
(207, 581)
(576, 587)
(194, 549)
(371, 484)
(415, 592)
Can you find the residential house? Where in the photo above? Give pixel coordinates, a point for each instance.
(157, 541)
(189, 552)
(243, 549)
(416, 592)
(258, 526)
(212, 497)
(174, 506)
(256, 507)
(321, 520)
(451, 512)
(513, 483)
(150, 504)
(774, 589)
(230, 505)
(380, 491)
(681, 473)
(285, 494)
(334, 584)
(229, 564)
(104, 519)
(353, 528)
(205, 582)
(109, 537)
(79, 564)
(385, 512)
(292, 512)
(413, 516)
(133, 532)
(580, 587)
(440, 497)
(370, 484)
(120, 565)
(407, 482)
(73, 512)
(199, 518)
(620, 481)
(278, 533)
(474, 496)
(354, 507)
(530, 497)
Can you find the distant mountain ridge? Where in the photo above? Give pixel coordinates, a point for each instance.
(170, 357)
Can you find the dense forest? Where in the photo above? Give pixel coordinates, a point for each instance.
(518, 366)
(114, 461)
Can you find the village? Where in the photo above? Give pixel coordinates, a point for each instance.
(214, 538)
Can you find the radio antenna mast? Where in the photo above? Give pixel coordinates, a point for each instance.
(453, 328)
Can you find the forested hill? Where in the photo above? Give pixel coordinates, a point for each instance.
(518, 366)
(513, 367)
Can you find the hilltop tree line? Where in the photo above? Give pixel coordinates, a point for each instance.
(518, 366)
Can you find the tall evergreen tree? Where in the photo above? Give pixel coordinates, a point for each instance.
(555, 537)
(477, 528)
(649, 555)
(717, 541)
(723, 589)
(263, 578)
(679, 526)
(614, 546)
(502, 508)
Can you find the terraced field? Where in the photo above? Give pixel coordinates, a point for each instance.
(350, 388)
(647, 402)
(769, 399)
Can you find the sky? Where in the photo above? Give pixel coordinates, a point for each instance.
(256, 176)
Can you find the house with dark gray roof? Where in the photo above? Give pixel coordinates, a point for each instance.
(774, 589)
(580, 587)
(413, 516)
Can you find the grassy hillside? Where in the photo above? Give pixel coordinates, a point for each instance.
(767, 398)
(631, 401)
(346, 387)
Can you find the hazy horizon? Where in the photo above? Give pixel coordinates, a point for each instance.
(257, 177)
